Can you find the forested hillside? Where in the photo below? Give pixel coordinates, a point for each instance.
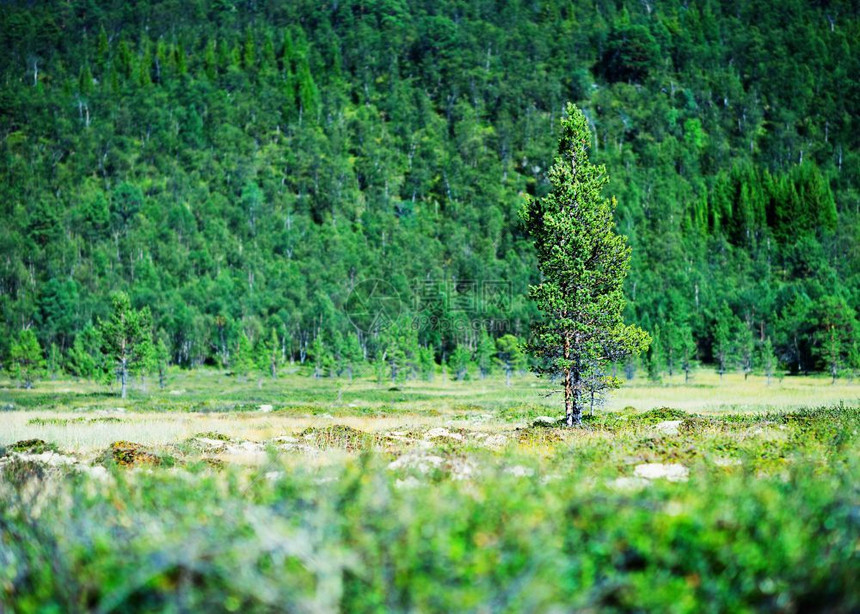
(239, 167)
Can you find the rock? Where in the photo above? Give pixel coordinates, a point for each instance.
(669, 471)
(495, 441)
(520, 471)
(336, 436)
(214, 444)
(424, 463)
(727, 462)
(244, 447)
(628, 483)
(462, 469)
(479, 418)
(668, 427)
(51, 459)
(398, 436)
(299, 447)
(127, 454)
(407, 483)
(545, 422)
(32, 446)
(293, 444)
(96, 471)
(440, 432)
(266, 408)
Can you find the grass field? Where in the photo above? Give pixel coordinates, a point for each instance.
(311, 495)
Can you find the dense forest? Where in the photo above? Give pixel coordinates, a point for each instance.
(239, 168)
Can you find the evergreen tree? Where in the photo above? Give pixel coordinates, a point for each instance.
(656, 356)
(353, 355)
(723, 342)
(745, 344)
(831, 350)
(126, 339)
(270, 356)
(396, 352)
(102, 50)
(688, 351)
(320, 356)
(26, 362)
(55, 359)
(380, 364)
(222, 347)
(426, 363)
(249, 52)
(509, 355)
(210, 61)
(672, 346)
(161, 359)
(583, 263)
(597, 382)
(307, 93)
(485, 354)
(836, 335)
(459, 361)
(243, 356)
(83, 358)
(767, 359)
(854, 357)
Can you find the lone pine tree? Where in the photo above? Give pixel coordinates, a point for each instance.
(583, 263)
(127, 338)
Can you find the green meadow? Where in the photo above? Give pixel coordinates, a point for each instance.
(316, 495)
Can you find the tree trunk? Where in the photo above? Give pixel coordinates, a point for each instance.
(568, 398)
(577, 397)
(568, 389)
(123, 377)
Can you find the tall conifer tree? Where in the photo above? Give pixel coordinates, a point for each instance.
(583, 263)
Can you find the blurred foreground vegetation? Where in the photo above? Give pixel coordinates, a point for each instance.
(662, 510)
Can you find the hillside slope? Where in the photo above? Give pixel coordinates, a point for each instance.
(242, 165)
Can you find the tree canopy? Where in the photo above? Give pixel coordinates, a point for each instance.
(242, 167)
(583, 264)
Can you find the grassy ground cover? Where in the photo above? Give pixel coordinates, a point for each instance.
(306, 495)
